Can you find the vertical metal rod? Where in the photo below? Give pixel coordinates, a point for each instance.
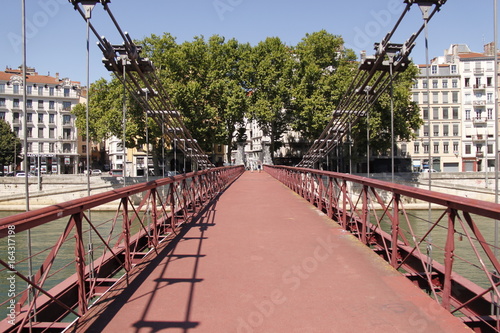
(88, 15)
(26, 161)
(495, 150)
(497, 159)
(391, 60)
(124, 162)
(147, 138)
(367, 138)
(425, 13)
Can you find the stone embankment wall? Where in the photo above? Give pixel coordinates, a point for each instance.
(54, 189)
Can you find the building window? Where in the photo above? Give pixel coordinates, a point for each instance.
(455, 113)
(467, 114)
(30, 132)
(67, 134)
(435, 113)
(446, 148)
(424, 84)
(445, 113)
(454, 97)
(435, 130)
(490, 149)
(435, 97)
(490, 113)
(84, 149)
(16, 103)
(434, 69)
(40, 118)
(454, 83)
(66, 119)
(435, 84)
(66, 106)
(467, 82)
(489, 97)
(445, 97)
(29, 104)
(29, 90)
(51, 91)
(40, 147)
(445, 84)
(455, 147)
(426, 148)
(415, 97)
(30, 147)
(51, 118)
(2, 87)
(436, 148)
(453, 69)
(15, 117)
(29, 117)
(66, 92)
(40, 132)
(2, 101)
(40, 91)
(467, 149)
(445, 130)
(2, 115)
(426, 130)
(51, 105)
(16, 89)
(51, 133)
(416, 148)
(40, 104)
(16, 131)
(52, 147)
(425, 98)
(489, 81)
(455, 130)
(425, 113)
(415, 84)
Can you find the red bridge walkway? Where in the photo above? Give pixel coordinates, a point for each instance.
(262, 259)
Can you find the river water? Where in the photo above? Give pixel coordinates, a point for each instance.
(44, 237)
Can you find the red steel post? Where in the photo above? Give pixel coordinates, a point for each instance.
(80, 264)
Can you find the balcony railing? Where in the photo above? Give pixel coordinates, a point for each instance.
(479, 120)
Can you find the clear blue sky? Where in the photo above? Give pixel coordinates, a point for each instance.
(57, 40)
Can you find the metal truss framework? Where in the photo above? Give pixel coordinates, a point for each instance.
(139, 77)
(375, 212)
(147, 216)
(375, 75)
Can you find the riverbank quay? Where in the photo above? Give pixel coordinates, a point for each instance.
(54, 189)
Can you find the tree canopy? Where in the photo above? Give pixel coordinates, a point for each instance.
(10, 145)
(218, 84)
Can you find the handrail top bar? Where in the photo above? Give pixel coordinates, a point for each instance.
(34, 218)
(479, 207)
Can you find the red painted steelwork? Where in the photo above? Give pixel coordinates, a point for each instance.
(375, 211)
(43, 308)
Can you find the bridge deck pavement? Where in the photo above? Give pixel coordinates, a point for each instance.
(262, 259)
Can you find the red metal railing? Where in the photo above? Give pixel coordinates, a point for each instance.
(450, 253)
(145, 216)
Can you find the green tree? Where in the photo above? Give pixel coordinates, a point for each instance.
(204, 81)
(11, 145)
(324, 69)
(270, 79)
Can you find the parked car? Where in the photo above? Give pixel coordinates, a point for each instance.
(22, 174)
(429, 170)
(96, 172)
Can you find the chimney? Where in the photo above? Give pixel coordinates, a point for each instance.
(57, 76)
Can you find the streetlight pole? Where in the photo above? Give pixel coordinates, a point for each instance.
(124, 120)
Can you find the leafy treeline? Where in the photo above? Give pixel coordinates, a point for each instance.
(10, 146)
(217, 84)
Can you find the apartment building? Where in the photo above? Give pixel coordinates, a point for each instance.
(456, 100)
(51, 132)
(478, 91)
